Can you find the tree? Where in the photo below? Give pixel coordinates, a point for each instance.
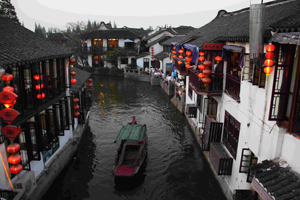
(8, 9)
(115, 25)
(89, 26)
(41, 31)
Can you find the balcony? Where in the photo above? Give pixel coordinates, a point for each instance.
(220, 159)
(215, 88)
(212, 132)
(233, 85)
(181, 68)
(98, 50)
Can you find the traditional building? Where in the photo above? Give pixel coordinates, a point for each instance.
(247, 122)
(36, 71)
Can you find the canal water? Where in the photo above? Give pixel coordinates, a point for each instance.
(175, 167)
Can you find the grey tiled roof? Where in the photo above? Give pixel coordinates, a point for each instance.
(144, 54)
(19, 45)
(161, 55)
(112, 33)
(81, 77)
(172, 39)
(161, 39)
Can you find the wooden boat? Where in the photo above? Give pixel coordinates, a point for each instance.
(132, 150)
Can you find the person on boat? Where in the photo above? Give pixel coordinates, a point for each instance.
(133, 121)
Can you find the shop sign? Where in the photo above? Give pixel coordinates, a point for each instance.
(7, 97)
(213, 46)
(9, 115)
(11, 132)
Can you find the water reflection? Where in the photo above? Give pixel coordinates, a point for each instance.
(176, 168)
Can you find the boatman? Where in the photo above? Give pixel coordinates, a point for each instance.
(133, 121)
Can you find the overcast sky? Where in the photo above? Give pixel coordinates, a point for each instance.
(130, 13)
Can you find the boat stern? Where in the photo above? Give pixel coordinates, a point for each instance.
(125, 171)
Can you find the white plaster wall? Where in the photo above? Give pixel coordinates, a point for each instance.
(89, 42)
(121, 43)
(90, 60)
(290, 150)
(140, 62)
(3, 178)
(104, 42)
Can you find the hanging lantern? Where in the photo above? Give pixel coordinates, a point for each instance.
(90, 80)
(201, 66)
(174, 52)
(76, 114)
(207, 63)
(13, 148)
(179, 62)
(73, 80)
(7, 77)
(188, 59)
(8, 89)
(73, 73)
(14, 159)
(269, 55)
(180, 56)
(201, 75)
(15, 169)
(201, 58)
(268, 70)
(36, 77)
(207, 72)
(174, 47)
(201, 53)
(218, 58)
(206, 80)
(76, 107)
(180, 51)
(41, 96)
(188, 66)
(188, 53)
(89, 85)
(76, 100)
(174, 56)
(39, 86)
(7, 105)
(269, 62)
(270, 47)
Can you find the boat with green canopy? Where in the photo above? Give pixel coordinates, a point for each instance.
(132, 150)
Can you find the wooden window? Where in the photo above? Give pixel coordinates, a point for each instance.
(231, 134)
(212, 107)
(16, 84)
(58, 119)
(55, 88)
(259, 76)
(285, 101)
(200, 102)
(112, 43)
(63, 106)
(124, 60)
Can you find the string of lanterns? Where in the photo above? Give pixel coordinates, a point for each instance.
(39, 86)
(76, 107)
(269, 62)
(73, 80)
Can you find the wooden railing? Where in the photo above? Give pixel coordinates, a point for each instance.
(181, 68)
(215, 87)
(233, 85)
(97, 49)
(212, 132)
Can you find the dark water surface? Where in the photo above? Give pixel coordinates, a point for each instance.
(175, 168)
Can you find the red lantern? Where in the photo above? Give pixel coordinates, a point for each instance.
(38, 87)
(188, 53)
(201, 75)
(187, 66)
(207, 72)
(15, 169)
(207, 63)
(76, 107)
(269, 55)
(36, 77)
(201, 58)
(268, 70)
(8, 89)
(14, 159)
(72, 61)
(218, 58)
(89, 85)
(201, 66)
(90, 80)
(7, 105)
(7, 77)
(174, 56)
(76, 114)
(73, 80)
(201, 53)
(188, 59)
(174, 47)
(174, 52)
(13, 148)
(73, 73)
(76, 100)
(269, 62)
(270, 47)
(180, 51)
(180, 56)
(206, 80)
(40, 96)
(179, 62)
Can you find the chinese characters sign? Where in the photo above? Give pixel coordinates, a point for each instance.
(11, 132)
(213, 46)
(9, 115)
(7, 97)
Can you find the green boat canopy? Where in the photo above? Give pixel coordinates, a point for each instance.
(132, 132)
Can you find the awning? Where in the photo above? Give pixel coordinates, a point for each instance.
(195, 50)
(286, 38)
(239, 49)
(128, 40)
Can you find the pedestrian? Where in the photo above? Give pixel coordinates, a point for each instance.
(133, 121)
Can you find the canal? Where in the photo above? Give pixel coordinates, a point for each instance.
(175, 167)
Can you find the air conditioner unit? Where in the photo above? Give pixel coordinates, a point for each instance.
(26, 182)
